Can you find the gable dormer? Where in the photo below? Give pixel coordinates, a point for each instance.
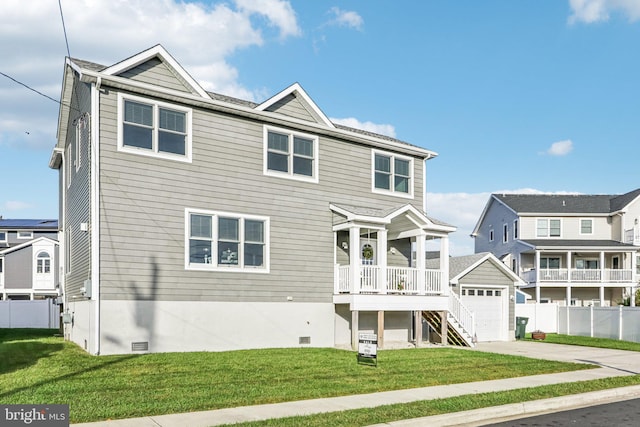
(294, 102)
(155, 66)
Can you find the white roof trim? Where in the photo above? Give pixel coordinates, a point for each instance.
(297, 89)
(495, 261)
(146, 55)
(29, 243)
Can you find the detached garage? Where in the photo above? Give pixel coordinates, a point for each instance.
(486, 286)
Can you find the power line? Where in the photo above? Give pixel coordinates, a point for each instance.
(30, 88)
(64, 28)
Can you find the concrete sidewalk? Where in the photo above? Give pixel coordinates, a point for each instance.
(612, 363)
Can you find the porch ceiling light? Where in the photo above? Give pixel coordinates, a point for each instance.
(345, 245)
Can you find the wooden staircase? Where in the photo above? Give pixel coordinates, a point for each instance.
(460, 323)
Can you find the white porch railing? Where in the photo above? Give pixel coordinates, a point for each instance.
(398, 280)
(462, 314)
(578, 275)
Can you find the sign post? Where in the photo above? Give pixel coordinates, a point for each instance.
(368, 349)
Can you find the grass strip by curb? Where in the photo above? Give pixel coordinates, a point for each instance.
(425, 408)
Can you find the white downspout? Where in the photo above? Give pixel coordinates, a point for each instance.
(95, 219)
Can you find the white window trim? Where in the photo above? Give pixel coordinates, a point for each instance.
(6, 236)
(548, 228)
(153, 152)
(37, 259)
(392, 192)
(515, 229)
(290, 175)
(505, 233)
(491, 235)
(580, 226)
(29, 235)
(214, 255)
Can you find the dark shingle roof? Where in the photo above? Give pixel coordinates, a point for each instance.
(572, 243)
(31, 224)
(567, 203)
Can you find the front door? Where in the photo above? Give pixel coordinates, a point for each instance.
(368, 252)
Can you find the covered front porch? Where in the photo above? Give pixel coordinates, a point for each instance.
(380, 272)
(585, 276)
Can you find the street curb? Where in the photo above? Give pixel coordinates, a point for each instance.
(497, 414)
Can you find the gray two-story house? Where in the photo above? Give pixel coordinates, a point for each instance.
(196, 221)
(29, 259)
(571, 249)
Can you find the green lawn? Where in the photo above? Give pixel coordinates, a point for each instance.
(38, 367)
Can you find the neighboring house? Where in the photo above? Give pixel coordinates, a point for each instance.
(28, 259)
(572, 249)
(196, 221)
(487, 289)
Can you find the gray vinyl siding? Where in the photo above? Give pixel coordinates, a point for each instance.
(143, 201)
(12, 236)
(18, 269)
(488, 274)
(291, 106)
(78, 197)
(496, 216)
(157, 73)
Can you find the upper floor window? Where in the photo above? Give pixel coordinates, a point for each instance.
(392, 173)
(505, 233)
(491, 235)
(586, 226)
(515, 229)
(25, 234)
(154, 128)
(218, 240)
(43, 263)
(3, 236)
(548, 227)
(290, 154)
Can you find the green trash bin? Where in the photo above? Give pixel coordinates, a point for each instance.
(521, 327)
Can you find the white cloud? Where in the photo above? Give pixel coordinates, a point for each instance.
(590, 11)
(15, 205)
(201, 37)
(382, 129)
(560, 148)
(346, 18)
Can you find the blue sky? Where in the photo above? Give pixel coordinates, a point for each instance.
(514, 96)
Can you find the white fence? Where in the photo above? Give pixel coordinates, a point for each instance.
(29, 314)
(618, 323)
(542, 317)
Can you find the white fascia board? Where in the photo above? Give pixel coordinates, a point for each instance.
(474, 233)
(29, 243)
(161, 52)
(296, 88)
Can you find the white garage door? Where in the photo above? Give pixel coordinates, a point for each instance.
(489, 305)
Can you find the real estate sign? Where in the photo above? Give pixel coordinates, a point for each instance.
(368, 348)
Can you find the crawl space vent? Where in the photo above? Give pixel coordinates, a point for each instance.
(140, 346)
(304, 340)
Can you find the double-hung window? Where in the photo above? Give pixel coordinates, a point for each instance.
(25, 235)
(219, 240)
(548, 227)
(392, 173)
(154, 128)
(290, 154)
(3, 237)
(586, 226)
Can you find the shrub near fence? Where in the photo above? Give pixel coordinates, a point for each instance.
(29, 314)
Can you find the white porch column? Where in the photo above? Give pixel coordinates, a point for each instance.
(421, 262)
(569, 266)
(634, 279)
(382, 260)
(537, 277)
(355, 327)
(602, 276)
(568, 295)
(354, 259)
(601, 296)
(444, 264)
